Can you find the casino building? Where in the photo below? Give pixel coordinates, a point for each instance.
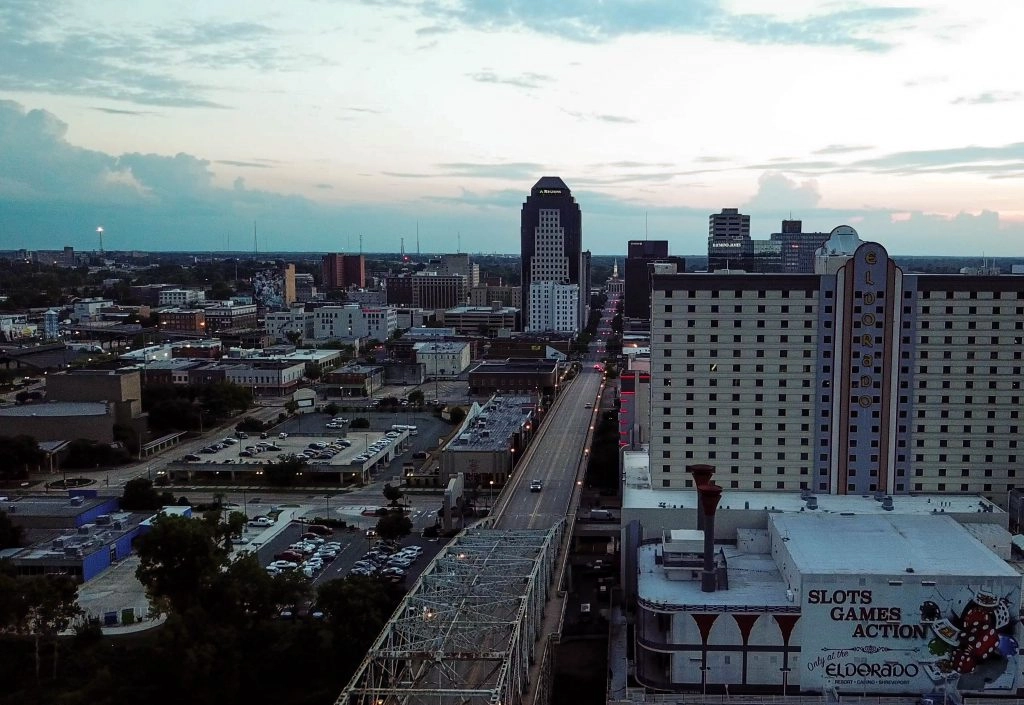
(853, 380)
(743, 592)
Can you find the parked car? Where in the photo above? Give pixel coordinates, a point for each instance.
(320, 529)
(261, 521)
(191, 458)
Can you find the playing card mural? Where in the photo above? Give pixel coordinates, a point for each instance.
(893, 637)
(974, 645)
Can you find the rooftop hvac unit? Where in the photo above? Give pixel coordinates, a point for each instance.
(72, 551)
(812, 502)
(84, 529)
(117, 524)
(77, 501)
(58, 543)
(103, 520)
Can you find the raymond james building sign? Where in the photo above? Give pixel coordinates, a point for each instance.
(892, 637)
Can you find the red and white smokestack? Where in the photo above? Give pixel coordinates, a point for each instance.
(701, 476)
(710, 494)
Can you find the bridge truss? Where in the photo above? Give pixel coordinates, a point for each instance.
(466, 631)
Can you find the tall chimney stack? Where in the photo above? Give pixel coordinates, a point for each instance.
(701, 476)
(710, 494)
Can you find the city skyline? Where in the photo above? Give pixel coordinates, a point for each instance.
(325, 122)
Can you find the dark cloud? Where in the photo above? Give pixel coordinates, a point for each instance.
(523, 80)
(433, 30)
(53, 193)
(497, 170)
(841, 149)
(633, 165)
(989, 97)
(41, 51)
(247, 165)
(116, 111)
(857, 27)
(406, 175)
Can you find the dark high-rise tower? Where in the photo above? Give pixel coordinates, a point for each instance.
(640, 255)
(728, 239)
(552, 257)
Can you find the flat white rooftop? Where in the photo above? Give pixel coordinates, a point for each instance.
(754, 579)
(638, 497)
(885, 544)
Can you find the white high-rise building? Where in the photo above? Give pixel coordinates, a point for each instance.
(552, 260)
(554, 307)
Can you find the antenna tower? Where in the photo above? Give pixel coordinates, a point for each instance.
(417, 238)
(360, 243)
(99, 231)
(255, 242)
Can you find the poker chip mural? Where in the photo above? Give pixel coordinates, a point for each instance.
(980, 635)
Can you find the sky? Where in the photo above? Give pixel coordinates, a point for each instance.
(317, 123)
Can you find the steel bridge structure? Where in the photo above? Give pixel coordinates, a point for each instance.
(466, 632)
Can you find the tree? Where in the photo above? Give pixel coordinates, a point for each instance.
(313, 370)
(17, 455)
(392, 494)
(140, 495)
(415, 397)
(284, 472)
(332, 409)
(40, 606)
(456, 415)
(291, 406)
(179, 559)
(356, 609)
(360, 422)
(11, 534)
(394, 525)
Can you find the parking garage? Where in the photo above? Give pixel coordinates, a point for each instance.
(334, 458)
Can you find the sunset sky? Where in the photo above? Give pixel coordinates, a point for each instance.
(321, 121)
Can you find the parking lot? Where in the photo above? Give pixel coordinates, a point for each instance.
(354, 544)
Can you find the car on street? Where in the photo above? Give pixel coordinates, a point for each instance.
(261, 521)
(536, 486)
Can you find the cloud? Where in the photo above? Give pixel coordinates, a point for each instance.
(323, 186)
(970, 159)
(841, 149)
(247, 165)
(619, 119)
(42, 51)
(116, 111)
(526, 171)
(776, 191)
(53, 192)
(523, 80)
(989, 97)
(433, 30)
(857, 27)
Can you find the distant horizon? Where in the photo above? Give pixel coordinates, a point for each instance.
(183, 128)
(422, 255)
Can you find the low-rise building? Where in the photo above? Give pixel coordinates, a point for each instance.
(443, 360)
(489, 443)
(181, 297)
(86, 310)
(226, 314)
(269, 377)
(81, 535)
(354, 380)
(295, 320)
(353, 322)
(182, 320)
(522, 375)
(482, 320)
